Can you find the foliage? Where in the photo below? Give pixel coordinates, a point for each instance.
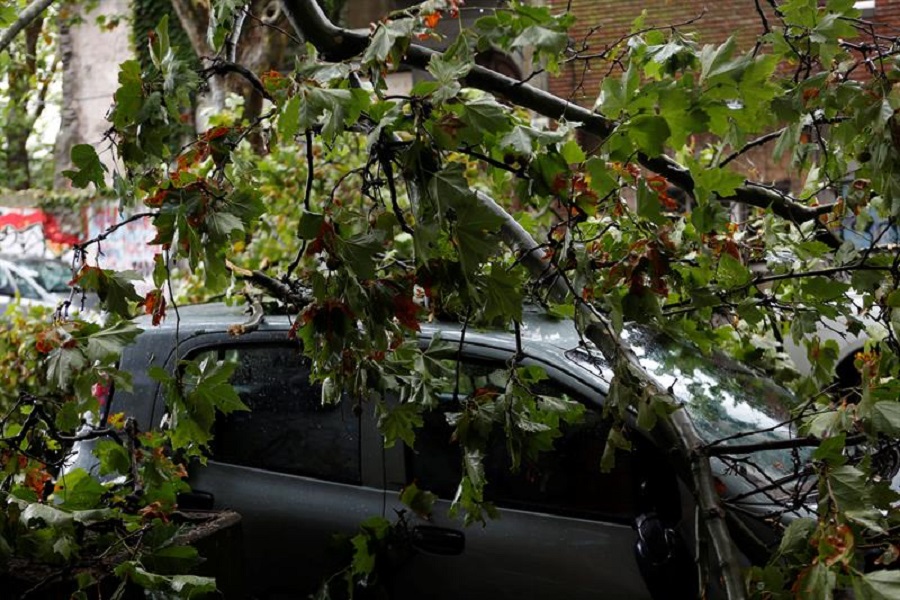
(369, 214)
(60, 374)
(29, 71)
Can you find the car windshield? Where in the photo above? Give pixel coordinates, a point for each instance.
(52, 275)
(727, 402)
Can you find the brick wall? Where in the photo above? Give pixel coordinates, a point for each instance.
(717, 20)
(601, 23)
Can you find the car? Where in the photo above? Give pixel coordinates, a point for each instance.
(17, 281)
(300, 471)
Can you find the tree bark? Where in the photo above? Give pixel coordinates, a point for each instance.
(68, 126)
(262, 48)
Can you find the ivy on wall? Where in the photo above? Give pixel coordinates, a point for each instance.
(147, 15)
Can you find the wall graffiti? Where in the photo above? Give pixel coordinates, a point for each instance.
(33, 232)
(36, 232)
(126, 248)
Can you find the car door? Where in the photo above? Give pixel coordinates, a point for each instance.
(565, 526)
(291, 467)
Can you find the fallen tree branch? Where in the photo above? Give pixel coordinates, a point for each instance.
(337, 43)
(31, 12)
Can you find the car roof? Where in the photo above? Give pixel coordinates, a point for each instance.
(537, 325)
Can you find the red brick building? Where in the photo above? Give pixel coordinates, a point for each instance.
(601, 23)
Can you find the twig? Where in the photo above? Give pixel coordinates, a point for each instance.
(112, 229)
(801, 442)
(752, 144)
(310, 169)
(222, 67)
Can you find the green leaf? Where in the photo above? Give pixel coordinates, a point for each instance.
(731, 272)
(817, 582)
(831, 450)
(503, 295)
(212, 386)
(518, 141)
(113, 457)
(886, 417)
(721, 182)
(110, 341)
(848, 487)
(77, 490)
(709, 216)
(715, 60)
(389, 42)
(475, 230)
(823, 289)
(449, 68)
(541, 39)
(63, 364)
(289, 119)
(114, 288)
(130, 95)
(358, 253)
(486, 115)
(310, 225)
(884, 585)
(183, 586)
(795, 540)
(419, 501)
(449, 188)
(648, 205)
(399, 423)
(603, 181)
(572, 153)
(172, 560)
(90, 169)
(649, 133)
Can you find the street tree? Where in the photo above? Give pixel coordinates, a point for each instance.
(459, 197)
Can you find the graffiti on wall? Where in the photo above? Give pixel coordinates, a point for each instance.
(125, 249)
(36, 232)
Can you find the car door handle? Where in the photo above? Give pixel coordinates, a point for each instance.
(438, 540)
(196, 500)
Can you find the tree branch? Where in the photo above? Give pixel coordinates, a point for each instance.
(31, 12)
(223, 67)
(337, 43)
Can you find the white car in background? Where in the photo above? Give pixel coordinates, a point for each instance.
(17, 281)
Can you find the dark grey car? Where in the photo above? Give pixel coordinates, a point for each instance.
(299, 472)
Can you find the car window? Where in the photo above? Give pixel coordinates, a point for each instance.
(287, 430)
(53, 276)
(25, 288)
(6, 286)
(567, 481)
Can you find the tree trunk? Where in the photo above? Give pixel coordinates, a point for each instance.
(261, 48)
(20, 81)
(68, 126)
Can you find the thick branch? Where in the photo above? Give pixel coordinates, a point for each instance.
(31, 12)
(337, 43)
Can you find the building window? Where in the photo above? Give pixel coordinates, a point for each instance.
(866, 6)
